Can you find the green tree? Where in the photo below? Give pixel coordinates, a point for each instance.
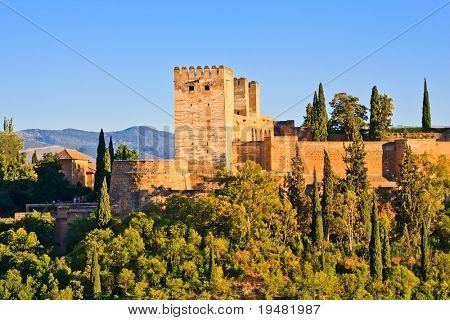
(317, 225)
(124, 153)
(12, 160)
(355, 160)
(424, 252)
(376, 264)
(328, 194)
(107, 168)
(95, 275)
(409, 195)
(211, 260)
(319, 116)
(51, 183)
(348, 116)
(385, 249)
(296, 190)
(8, 125)
(308, 117)
(103, 212)
(426, 113)
(375, 115)
(111, 150)
(126, 280)
(100, 172)
(34, 158)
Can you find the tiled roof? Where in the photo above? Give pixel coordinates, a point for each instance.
(70, 154)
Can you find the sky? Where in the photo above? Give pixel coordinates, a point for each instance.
(288, 47)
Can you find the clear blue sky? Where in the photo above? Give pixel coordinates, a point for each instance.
(289, 47)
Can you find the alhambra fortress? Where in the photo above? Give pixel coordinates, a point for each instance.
(218, 124)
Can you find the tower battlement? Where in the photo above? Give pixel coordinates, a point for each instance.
(197, 73)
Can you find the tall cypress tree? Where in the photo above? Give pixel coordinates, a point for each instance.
(426, 113)
(34, 158)
(319, 116)
(385, 250)
(103, 212)
(95, 275)
(308, 118)
(99, 173)
(375, 115)
(317, 223)
(211, 263)
(107, 168)
(376, 264)
(296, 190)
(328, 194)
(410, 188)
(355, 160)
(111, 150)
(323, 115)
(425, 252)
(314, 117)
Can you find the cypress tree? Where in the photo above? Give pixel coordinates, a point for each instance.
(296, 190)
(111, 150)
(314, 117)
(103, 212)
(95, 275)
(376, 265)
(99, 173)
(385, 250)
(426, 113)
(107, 168)
(355, 160)
(323, 115)
(319, 116)
(34, 158)
(328, 194)
(425, 252)
(375, 115)
(317, 224)
(410, 188)
(308, 118)
(212, 263)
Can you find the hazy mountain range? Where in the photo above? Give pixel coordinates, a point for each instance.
(149, 142)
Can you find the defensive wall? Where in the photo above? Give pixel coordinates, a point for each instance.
(133, 182)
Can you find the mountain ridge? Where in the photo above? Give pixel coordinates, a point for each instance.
(150, 143)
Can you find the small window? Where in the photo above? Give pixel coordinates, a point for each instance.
(191, 88)
(206, 88)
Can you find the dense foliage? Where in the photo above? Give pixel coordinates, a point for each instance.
(21, 183)
(243, 241)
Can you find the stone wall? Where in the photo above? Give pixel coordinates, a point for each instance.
(249, 151)
(134, 182)
(383, 157)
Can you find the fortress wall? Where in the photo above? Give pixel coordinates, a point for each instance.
(132, 182)
(253, 151)
(429, 146)
(282, 149)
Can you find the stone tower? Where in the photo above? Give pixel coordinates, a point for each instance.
(204, 108)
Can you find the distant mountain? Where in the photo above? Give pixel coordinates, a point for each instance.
(149, 142)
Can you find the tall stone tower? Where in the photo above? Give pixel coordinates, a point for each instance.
(204, 108)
